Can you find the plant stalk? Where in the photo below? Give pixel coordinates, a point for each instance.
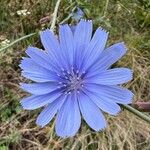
(16, 41)
(137, 113)
(55, 15)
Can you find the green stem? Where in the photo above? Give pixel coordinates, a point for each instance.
(55, 15)
(105, 8)
(16, 41)
(137, 113)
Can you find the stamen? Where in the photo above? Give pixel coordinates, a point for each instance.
(77, 71)
(66, 93)
(64, 73)
(68, 72)
(71, 80)
(62, 69)
(58, 75)
(69, 93)
(66, 77)
(78, 78)
(83, 72)
(78, 91)
(64, 85)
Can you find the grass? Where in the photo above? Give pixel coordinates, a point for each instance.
(127, 21)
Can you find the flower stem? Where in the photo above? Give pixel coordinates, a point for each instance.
(105, 8)
(137, 113)
(16, 41)
(55, 15)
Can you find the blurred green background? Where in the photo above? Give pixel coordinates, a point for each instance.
(126, 20)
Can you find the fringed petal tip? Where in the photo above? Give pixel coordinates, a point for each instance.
(102, 29)
(101, 129)
(45, 31)
(132, 75)
(21, 85)
(122, 46)
(85, 20)
(21, 61)
(23, 105)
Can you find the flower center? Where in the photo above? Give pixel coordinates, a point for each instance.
(75, 83)
(71, 81)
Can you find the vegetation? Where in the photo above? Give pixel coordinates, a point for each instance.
(126, 20)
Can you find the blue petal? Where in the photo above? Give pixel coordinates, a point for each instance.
(80, 12)
(50, 42)
(49, 112)
(41, 58)
(68, 119)
(113, 93)
(38, 77)
(39, 88)
(52, 46)
(91, 113)
(95, 48)
(28, 65)
(82, 37)
(66, 43)
(37, 101)
(109, 56)
(73, 28)
(33, 71)
(111, 77)
(103, 103)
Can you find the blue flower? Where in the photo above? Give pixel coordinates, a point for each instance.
(72, 78)
(78, 14)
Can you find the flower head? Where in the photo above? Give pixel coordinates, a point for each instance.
(72, 78)
(78, 14)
